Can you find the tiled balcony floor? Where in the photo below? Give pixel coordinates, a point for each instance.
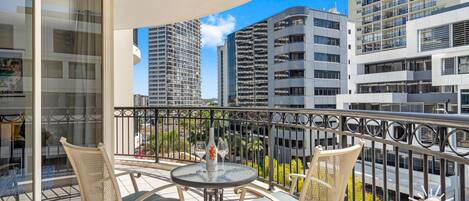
(152, 178)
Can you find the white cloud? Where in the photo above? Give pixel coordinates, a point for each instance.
(215, 28)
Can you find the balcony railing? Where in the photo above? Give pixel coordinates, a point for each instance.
(404, 152)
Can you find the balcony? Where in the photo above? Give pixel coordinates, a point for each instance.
(404, 152)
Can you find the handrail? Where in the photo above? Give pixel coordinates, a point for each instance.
(450, 120)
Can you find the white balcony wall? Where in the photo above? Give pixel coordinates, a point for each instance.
(342, 100)
(123, 68)
(384, 77)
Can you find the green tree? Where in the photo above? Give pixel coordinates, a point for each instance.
(168, 142)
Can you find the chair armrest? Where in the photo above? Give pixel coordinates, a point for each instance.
(150, 193)
(8, 166)
(294, 180)
(323, 183)
(293, 176)
(253, 190)
(133, 175)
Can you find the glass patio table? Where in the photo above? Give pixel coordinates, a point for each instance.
(213, 183)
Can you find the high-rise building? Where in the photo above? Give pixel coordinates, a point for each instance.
(140, 100)
(242, 66)
(410, 78)
(430, 74)
(174, 64)
(222, 74)
(381, 24)
(296, 58)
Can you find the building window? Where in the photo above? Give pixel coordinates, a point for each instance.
(52, 69)
(292, 56)
(297, 38)
(463, 64)
(67, 42)
(326, 91)
(448, 66)
(434, 38)
(289, 106)
(326, 57)
(326, 23)
(292, 91)
(297, 73)
(465, 101)
(326, 74)
(461, 33)
(297, 91)
(6, 36)
(291, 21)
(78, 70)
(280, 75)
(326, 40)
(325, 106)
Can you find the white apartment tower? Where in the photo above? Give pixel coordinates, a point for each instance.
(174, 64)
(429, 73)
(394, 68)
(380, 25)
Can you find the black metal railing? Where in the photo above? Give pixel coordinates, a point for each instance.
(404, 152)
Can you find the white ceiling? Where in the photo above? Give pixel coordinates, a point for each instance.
(130, 14)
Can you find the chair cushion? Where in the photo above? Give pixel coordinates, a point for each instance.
(279, 195)
(154, 197)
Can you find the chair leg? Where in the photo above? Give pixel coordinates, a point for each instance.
(180, 193)
(134, 182)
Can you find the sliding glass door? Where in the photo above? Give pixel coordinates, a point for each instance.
(15, 99)
(72, 61)
(71, 79)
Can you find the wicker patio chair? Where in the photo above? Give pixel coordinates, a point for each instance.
(326, 180)
(97, 180)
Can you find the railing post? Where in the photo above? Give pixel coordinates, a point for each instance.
(212, 118)
(462, 182)
(442, 131)
(271, 152)
(343, 143)
(343, 127)
(156, 137)
(410, 128)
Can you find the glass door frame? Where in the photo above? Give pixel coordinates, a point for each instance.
(107, 93)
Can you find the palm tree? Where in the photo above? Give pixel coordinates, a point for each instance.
(255, 146)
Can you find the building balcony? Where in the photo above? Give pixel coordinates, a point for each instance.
(372, 98)
(137, 55)
(404, 152)
(384, 77)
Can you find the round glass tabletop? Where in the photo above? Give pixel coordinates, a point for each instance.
(195, 175)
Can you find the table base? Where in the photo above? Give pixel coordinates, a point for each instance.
(213, 194)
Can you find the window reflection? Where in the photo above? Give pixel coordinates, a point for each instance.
(71, 84)
(15, 99)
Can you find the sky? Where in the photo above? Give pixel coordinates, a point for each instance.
(214, 29)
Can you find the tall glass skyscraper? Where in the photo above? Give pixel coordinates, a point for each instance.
(174, 64)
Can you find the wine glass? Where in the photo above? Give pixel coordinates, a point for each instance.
(199, 149)
(222, 150)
